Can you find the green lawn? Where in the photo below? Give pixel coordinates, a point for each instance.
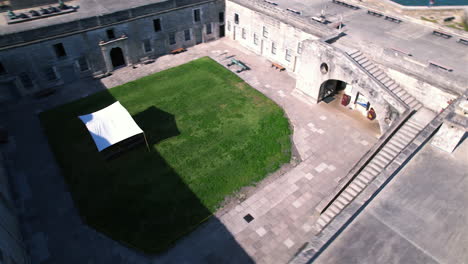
(209, 132)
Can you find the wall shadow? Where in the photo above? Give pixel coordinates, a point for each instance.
(137, 199)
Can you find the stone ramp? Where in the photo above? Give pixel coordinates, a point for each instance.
(374, 71)
(397, 142)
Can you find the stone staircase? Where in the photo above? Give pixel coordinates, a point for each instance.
(373, 70)
(397, 142)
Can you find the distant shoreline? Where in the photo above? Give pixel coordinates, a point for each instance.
(438, 3)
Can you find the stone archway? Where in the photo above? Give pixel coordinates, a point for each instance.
(330, 88)
(117, 57)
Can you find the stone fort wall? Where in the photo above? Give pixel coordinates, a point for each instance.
(12, 248)
(87, 44)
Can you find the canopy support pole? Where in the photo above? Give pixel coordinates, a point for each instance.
(146, 141)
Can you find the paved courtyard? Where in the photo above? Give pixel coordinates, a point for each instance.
(328, 140)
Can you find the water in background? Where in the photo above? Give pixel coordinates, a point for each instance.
(426, 2)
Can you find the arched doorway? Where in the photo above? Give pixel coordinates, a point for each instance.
(117, 57)
(330, 88)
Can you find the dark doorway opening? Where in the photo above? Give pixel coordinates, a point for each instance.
(117, 57)
(329, 89)
(222, 31)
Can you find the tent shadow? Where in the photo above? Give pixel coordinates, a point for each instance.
(157, 124)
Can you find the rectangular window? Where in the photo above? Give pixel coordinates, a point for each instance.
(221, 17)
(83, 64)
(2, 69)
(236, 18)
(196, 15)
(265, 32)
(273, 48)
(229, 25)
(25, 80)
(208, 29)
(147, 45)
(157, 25)
(60, 50)
(299, 48)
(255, 39)
(172, 39)
(243, 33)
(288, 55)
(110, 34)
(187, 34)
(50, 74)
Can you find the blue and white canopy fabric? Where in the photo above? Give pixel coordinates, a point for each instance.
(110, 125)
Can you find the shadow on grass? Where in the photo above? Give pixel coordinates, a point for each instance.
(137, 199)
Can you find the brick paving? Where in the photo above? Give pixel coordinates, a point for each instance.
(329, 140)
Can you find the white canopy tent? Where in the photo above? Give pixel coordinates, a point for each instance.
(111, 125)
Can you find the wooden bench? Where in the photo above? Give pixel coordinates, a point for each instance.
(440, 66)
(345, 4)
(277, 66)
(441, 34)
(392, 19)
(463, 41)
(44, 92)
(373, 13)
(238, 63)
(179, 50)
(402, 52)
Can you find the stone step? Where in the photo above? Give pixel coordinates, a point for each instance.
(359, 183)
(355, 187)
(389, 83)
(362, 60)
(392, 147)
(380, 75)
(374, 71)
(363, 179)
(351, 192)
(325, 217)
(396, 143)
(343, 200)
(321, 223)
(338, 204)
(346, 195)
(393, 86)
(355, 53)
(331, 214)
(371, 68)
(407, 135)
(379, 162)
(414, 125)
(400, 93)
(416, 105)
(409, 100)
(372, 169)
(397, 89)
(358, 57)
(405, 97)
(369, 176)
(385, 79)
(334, 209)
(411, 128)
(366, 64)
(375, 166)
(384, 157)
(401, 140)
(390, 154)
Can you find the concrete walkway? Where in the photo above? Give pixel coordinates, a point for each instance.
(328, 140)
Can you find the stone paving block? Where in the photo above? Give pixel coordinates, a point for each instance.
(321, 167)
(288, 243)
